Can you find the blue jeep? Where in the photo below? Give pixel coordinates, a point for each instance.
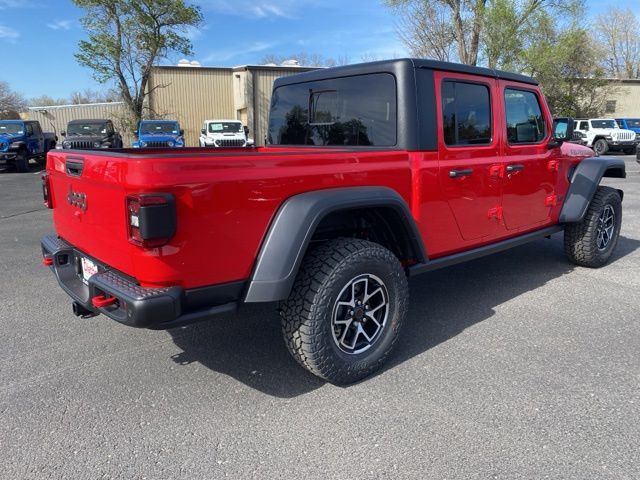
(158, 134)
(632, 124)
(22, 140)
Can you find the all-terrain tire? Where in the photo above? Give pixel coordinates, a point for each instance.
(338, 270)
(600, 146)
(584, 241)
(22, 162)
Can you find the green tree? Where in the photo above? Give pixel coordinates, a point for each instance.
(127, 37)
(567, 62)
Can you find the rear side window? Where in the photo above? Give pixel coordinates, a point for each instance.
(359, 110)
(525, 122)
(466, 113)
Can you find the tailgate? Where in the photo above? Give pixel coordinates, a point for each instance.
(89, 205)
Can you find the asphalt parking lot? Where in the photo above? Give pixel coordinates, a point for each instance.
(518, 365)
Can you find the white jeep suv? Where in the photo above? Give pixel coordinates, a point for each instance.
(224, 133)
(603, 135)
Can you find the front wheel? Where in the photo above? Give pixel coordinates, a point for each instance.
(591, 242)
(600, 146)
(345, 310)
(22, 162)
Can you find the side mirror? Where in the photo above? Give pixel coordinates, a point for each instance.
(203, 131)
(562, 131)
(63, 133)
(246, 130)
(135, 134)
(181, 131)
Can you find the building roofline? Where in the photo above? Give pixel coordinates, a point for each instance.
(49, 107)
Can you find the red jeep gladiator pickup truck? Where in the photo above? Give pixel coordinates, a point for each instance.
(372, 173)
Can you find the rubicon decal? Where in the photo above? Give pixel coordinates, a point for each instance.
(77, 199)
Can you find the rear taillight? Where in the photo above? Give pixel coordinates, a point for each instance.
(151, 219)
(46, 191)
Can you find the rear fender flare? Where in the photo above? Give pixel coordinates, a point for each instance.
(584, 183)
(293, 227)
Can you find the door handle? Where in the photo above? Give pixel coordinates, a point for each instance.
(514, 168)
(460, 173)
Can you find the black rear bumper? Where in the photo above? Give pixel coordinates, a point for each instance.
(136, 306)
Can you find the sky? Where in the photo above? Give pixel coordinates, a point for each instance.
(39, 37)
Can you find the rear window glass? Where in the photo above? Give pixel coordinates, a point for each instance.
(359, 110)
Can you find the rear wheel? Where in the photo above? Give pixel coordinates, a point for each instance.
(22, 162)
(591, 242)
(600, 146)
(345, 310)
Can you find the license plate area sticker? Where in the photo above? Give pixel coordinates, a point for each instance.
(88, 268)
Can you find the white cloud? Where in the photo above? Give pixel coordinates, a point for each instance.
(218, 56)
(8, 33)
(6, 4)
(60, 25)
(253, 8)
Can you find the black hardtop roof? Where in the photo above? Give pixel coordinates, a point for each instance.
(399, 64)
(89, 120)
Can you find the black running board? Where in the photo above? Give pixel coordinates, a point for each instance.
(482, 251)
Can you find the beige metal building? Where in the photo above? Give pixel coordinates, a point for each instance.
(193, 94)
(55, 118)
(625, 101)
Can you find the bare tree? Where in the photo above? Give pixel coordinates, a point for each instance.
(92, 96)
(306, 59)
(10, 101)
(426, 31)
(457, 20)
(619, 32)
(440, 28)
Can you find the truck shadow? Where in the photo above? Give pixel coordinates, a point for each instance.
(248, 346)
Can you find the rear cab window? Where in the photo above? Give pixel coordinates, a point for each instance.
(350, 111)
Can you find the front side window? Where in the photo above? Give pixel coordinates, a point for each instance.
(466, 113)
(350, 111)
(525, 122)
(584, 125)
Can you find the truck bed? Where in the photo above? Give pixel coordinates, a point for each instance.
(225, 201)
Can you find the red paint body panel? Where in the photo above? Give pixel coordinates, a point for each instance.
(225, 201)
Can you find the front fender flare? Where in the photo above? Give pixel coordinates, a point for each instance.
(584, 183)
(294, 225)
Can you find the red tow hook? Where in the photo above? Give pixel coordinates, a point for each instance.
(47, 261)
(102, 301)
